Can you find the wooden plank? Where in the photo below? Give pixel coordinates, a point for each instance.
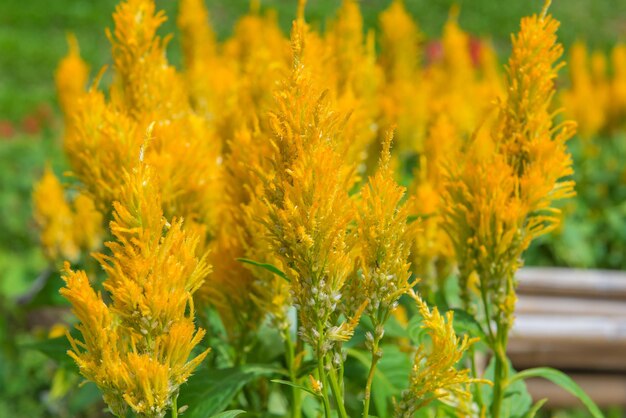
(605, 284)
(579, 342)
(592, 360)
(605, 389)
(572, 329)
(550, 305)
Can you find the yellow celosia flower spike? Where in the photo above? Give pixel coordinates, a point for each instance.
(352, 77)
(71, 80)
(66, 229)
(146, 91)
(400, 38)
(53, 215)
(202, 67)
(525, 133)
(496, 204)
(584, 90)
(384, 239)
(137, 348)
(404, 93)
(144, 83)
(308, 205)
(434, 374)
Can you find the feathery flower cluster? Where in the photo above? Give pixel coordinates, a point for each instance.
(71, 80)
(384, 237)
(136, 348)
(146, 91)
(66, 230)
(434, 107)
(593, 80)
(308, 203)
(202, 131)
(497, 203)
(434, 375)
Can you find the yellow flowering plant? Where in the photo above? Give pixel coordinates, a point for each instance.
(136, 346)
(255, 194)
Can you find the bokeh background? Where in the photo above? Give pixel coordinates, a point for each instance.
(33, 40)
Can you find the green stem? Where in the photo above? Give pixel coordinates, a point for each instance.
(337, 392)
(485, 304)
(240, 353)
(498, 341)
(499, 384)
(501, 373)
(296, 410)
(477, 392)
(370, 378)
(322, 377)
(175, 406)
(341, 372)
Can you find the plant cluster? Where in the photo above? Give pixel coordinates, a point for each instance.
(308, 186)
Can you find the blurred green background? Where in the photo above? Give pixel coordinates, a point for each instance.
(32, 33)
(33, 40)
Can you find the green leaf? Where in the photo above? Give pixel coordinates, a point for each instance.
(464, 322)
(390, 378)
(394, 329)
(56, 349)
(536, 407)
(293, 385)
(415, 330)
(306, 368)
(268, 346)
(561, 379)
(229, 414)
(210, 391)
(517, 401)
(269, 267)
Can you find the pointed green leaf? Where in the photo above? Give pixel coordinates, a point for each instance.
(293, 385)
(56, 349)
(229, 414)
(517, 401)
(269, 267)
(210, 391)
(464, 322)
(561, 379)
(390, 378)
(536, 407)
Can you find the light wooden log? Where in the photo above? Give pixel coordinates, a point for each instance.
(612, 361)
(569, 342)
(570, 329)
(605, 284)
(606, 390)
(554, 305)
(572, 320)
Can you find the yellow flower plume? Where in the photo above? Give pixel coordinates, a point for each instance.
(434, 374)
(384, 237)
(67, 229)
(137, 348)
